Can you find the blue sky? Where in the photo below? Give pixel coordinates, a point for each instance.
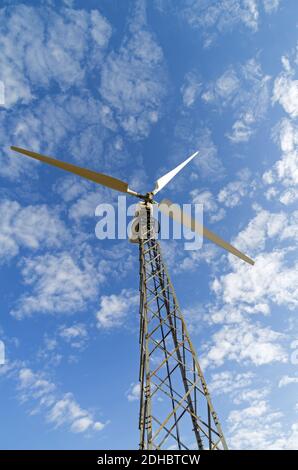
(131, 89)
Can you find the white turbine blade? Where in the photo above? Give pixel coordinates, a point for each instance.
(174, 211)
(94, 176)
(163, 180)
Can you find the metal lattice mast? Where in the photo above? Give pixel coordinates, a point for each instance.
(175, 406)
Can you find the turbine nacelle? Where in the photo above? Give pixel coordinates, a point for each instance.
(144, 224)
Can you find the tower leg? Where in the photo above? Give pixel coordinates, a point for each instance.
(175, 406)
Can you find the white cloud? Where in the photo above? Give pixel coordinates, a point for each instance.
(285, 134)
(214, 18)
(133, 394)
(291, 439)
(32, 227)
(259, 426)
(224, 88)
(114, 309)
(286, 93)
(230, 195)
(59, 284)
(40, 47)
(82, 196)
(227, 85)
(245, 291)
(208, 163)
(76, 335)
(75, 123)
(222, 15)
(267, 225)
(288, 197)
(210, 205)
(250, 395)
(234, 192)
(66, 411)
(256, 410)
(245, 89)
(64, 344)
(117, 261)
(233, 313)
(181, 261)
(244, 342)
(256, 426)
(229, 382)
(75, 331)
(71, 188)
(286, 380)
(190, 89)
(271, 281)
(190, 137)
(271, 6)
(133, 79)
(241, 129)
(204, 197)
(274, 278)
(85, 205)
(285, 170)
(35, 386)
(48, 351)
(60, 411)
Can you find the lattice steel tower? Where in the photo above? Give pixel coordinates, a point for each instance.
(175, 405)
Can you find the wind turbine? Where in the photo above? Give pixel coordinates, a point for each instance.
(175, 405)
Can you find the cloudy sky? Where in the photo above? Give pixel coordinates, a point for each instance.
(132, 88)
